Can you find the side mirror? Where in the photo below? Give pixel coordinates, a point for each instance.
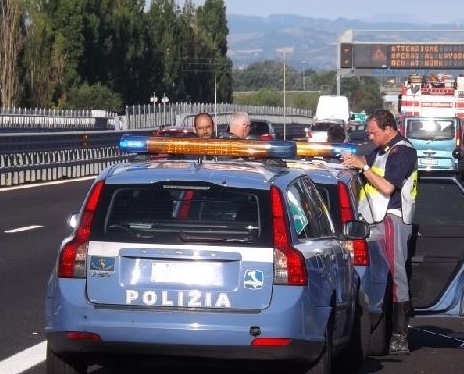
(458, 154)
(356, 230)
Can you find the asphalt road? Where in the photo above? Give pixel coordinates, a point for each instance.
(32, 223)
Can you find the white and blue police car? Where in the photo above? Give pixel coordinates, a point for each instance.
(230, 258)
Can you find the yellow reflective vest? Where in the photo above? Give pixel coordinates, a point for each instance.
(373, 204)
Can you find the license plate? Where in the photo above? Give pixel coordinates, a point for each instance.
(428, 161)
(192, 273)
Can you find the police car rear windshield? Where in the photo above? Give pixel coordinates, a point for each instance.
(179, 213)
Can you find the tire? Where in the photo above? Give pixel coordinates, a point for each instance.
(59, 365)
(324, 363)
(353, 355)
(380, 337)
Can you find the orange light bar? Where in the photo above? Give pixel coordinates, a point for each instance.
(208, 147)
(331, 150)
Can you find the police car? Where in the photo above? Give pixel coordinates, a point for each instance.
(235, 258)
(340, 187)
(436, 250)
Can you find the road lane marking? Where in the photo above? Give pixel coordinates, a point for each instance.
(22, 186)
(20, 229)
(24, 360)
(458, 341)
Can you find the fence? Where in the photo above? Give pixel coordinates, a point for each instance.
(47, 145)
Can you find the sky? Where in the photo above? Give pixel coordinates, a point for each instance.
(443, 11)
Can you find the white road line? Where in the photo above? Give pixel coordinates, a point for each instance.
(25, 228)
(459, 341)
(24, 360)
(22, 186)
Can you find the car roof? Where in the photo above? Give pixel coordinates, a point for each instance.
(175, 132)
(325, 171)
(234, 173)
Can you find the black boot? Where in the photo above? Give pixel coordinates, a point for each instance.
(399, 339)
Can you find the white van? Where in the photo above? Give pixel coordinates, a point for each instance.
(333, 107)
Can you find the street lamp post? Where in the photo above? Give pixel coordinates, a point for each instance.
(285, 51)
(164, 100)
(154, 100)
(304, 75)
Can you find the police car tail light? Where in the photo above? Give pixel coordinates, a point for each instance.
(289, 263)
(323, 149)
(208, 147)
(346, 211)
(358, 247)
(78, 335)
(360, 253)
(271, 342)
(73, 257)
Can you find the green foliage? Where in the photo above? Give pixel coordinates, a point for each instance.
(126, 53)
(93, 97)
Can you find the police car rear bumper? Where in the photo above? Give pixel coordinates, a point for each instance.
(94, 351)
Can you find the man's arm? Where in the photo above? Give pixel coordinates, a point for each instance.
(379, 182)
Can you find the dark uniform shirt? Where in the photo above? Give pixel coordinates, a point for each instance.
(400, 164)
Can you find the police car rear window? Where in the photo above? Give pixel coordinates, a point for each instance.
(178, 213)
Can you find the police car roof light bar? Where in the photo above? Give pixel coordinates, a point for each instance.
(133, 143)
(323, 150)
(208, 147)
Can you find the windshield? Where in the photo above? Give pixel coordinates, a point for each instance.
(179, 213)
(431, 129)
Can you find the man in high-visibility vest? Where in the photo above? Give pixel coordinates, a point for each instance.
(388, 196)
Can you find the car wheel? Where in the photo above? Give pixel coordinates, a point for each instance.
(59, 365)
(354, 354)
(378, 345)
(324, 363)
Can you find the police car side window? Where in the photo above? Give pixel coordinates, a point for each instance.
(321, 212)
(309, 216)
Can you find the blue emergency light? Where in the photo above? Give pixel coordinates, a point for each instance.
(134, 143)
(256, 149)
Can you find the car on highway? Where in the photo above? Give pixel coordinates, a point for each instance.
(175, 132)
(318, 131)
(437, 247)
(340, 187)
(235, 259)
(262, 130)
(259, 130)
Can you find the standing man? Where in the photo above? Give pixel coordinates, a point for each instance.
(203, 125)
(390, 174)
(239, 126)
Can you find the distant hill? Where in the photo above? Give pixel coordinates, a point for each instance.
(314, 40)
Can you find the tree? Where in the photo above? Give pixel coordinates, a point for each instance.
(37, 85)
(94, 96)
(11, 42)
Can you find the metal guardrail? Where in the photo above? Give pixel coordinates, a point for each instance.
(70, 145)
(44, 157)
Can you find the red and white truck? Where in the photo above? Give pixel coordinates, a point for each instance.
(435, 95)
(432, 118)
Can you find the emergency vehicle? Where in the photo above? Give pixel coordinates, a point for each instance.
(435, 95)
(432, 118)
(230, 259)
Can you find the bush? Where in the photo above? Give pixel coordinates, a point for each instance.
(94, 96)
